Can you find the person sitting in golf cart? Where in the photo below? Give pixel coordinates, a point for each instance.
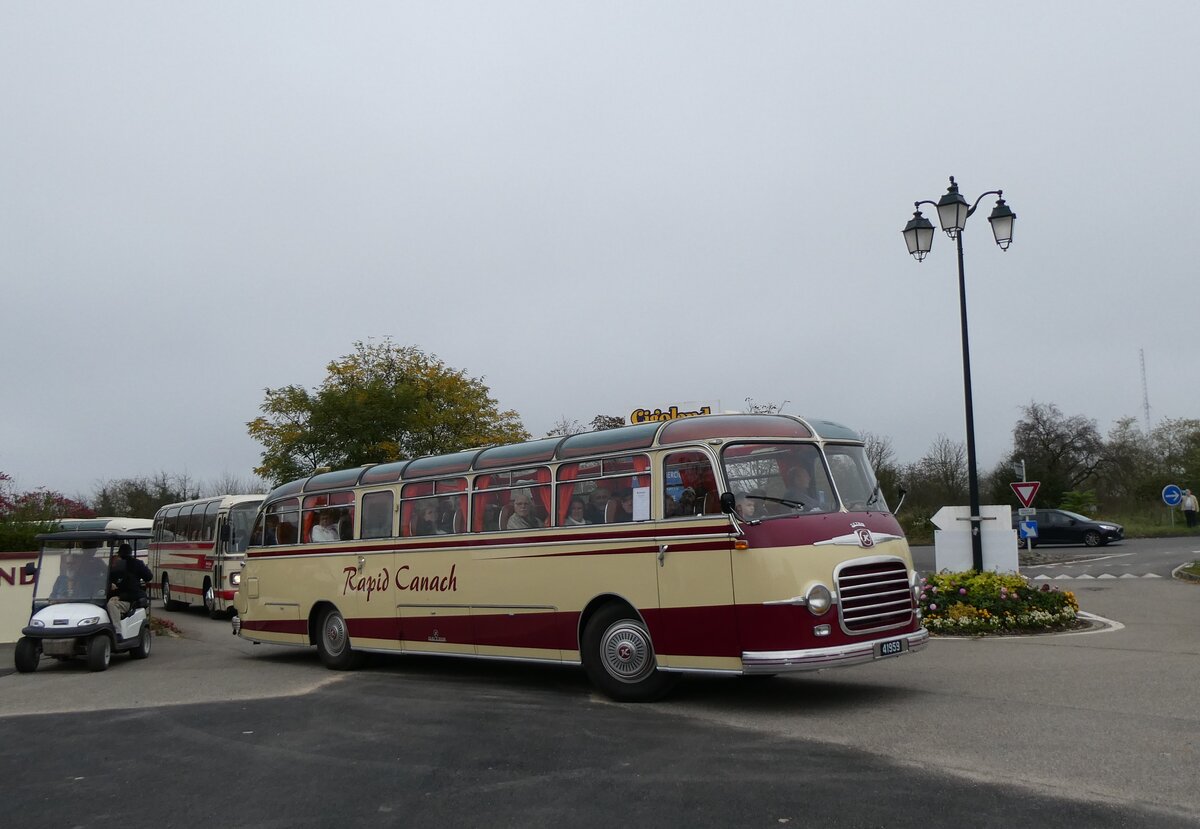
(126, 577)
(82, 577)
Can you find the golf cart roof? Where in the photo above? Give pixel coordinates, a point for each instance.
(99, 536)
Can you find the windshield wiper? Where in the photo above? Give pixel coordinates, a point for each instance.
(784, 501)
(874, 495)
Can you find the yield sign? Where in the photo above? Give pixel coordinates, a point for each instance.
(1025, 491)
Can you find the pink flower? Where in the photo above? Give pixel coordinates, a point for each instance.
(933, 590)
(924, 596)
(933, 607)
(962, 591)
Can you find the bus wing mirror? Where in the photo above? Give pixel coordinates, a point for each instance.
(903, 495)
(30, 569)
(728, 503)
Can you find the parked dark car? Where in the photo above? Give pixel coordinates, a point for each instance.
(1058, 526)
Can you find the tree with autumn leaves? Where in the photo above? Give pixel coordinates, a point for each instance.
(25, 514)
(382, 402)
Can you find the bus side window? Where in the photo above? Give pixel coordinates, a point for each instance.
(691, 485)
(377, 508)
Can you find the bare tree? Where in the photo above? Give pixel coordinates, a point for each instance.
(565, 426)
(764, 408)
(231, 484)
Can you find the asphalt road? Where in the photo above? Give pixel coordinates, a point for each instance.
(1096, 729)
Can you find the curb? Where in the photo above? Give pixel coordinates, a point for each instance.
(1179, 574)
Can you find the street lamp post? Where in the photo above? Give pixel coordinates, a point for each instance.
(953, 213)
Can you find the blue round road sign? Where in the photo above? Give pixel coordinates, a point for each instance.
(1172, 495)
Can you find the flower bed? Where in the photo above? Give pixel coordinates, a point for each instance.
(160, 626)
(979, 603)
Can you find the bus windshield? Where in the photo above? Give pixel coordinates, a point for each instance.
(855, 479)
(771, 479)
(241, 520)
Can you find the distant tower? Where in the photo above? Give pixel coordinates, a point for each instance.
(1145, 390)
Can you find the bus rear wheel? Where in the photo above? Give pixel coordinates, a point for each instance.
(333, 642)
(168, 602)
(618, 656)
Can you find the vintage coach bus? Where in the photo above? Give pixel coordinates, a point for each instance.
(197, 549)
(740, 544)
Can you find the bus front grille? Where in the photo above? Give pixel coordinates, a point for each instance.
(874, 595)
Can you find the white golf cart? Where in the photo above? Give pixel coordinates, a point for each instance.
(70, 617)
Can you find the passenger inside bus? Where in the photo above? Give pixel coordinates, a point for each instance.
(747, 507)
(799, 487)
(597, 502)
(620, 509)
(575, 513)
(326, 530)
(522, 517)
(687, 501)
(425, 519)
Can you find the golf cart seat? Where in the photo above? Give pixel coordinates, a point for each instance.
(143, 602)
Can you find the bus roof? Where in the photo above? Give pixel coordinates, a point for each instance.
(544, 450)
(226, 500)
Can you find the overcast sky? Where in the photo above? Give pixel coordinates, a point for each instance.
(594, 207)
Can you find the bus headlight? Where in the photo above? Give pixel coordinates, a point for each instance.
(235, 579)
(819, 599)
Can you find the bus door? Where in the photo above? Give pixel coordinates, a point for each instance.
(696, 621)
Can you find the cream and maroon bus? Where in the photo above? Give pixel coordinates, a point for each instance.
(739, 544)
(197, 549)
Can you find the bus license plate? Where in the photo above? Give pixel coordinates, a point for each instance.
(892, 648)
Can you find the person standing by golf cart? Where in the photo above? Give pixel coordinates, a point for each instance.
(126, 577)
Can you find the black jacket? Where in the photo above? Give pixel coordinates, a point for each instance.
(127, 576)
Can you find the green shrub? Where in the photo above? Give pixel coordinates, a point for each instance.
(978, 603)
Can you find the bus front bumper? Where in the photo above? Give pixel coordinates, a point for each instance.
(814, 659)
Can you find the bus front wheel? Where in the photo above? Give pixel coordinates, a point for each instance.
(618, 656)
(333, 641)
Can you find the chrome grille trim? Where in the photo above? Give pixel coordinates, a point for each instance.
(874, 594)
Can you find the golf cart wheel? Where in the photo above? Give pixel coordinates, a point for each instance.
(142, 650)
(99, 652)
(26, 655)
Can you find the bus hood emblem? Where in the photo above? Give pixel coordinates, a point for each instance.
(861, 537)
